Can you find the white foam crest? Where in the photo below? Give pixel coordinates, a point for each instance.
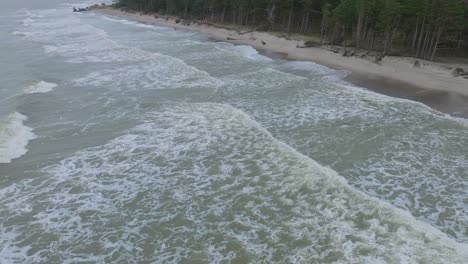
(265, 78)
(313, 69)
(80, 42)
(158, 72)
(14, 137)
(130, 23)
(182, 183)
(23, 12)
(385, 147)
(88, 3)
(389, 99)
(62, 29)
(248, 52)
(40, 87)
(309, 66)
(11, 251)
(28, 21)
(21, 33)
(402, 215)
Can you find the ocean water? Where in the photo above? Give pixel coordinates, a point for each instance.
(129, 143)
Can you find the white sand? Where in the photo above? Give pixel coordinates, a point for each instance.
(430, 75)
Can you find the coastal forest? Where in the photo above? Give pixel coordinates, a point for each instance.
(418, 28)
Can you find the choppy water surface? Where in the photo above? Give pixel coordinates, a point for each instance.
(124, 142)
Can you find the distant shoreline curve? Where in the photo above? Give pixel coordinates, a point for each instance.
(432, 84)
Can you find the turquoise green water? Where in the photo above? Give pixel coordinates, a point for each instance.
(129, 143)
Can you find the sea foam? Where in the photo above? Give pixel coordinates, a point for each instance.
(14, 137)
(249, 52)
(182, 176)
(40, 87)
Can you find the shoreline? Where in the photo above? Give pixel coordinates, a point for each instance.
(432, 84)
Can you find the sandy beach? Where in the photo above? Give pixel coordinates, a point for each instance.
(432, 83)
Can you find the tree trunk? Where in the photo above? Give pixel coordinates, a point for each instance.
(233, 16)
(421, 34)
(185, 8)
(415, 36)
(322, 30)
(359, 26)
(431, 43)
(439, 33)
(289, 20)
(423, 53)
(391, 41)
(223, 14)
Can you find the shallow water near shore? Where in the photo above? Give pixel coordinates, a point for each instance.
(125, 142)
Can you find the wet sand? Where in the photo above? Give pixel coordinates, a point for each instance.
(447, 102)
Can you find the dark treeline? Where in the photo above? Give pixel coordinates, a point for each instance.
(419, 28)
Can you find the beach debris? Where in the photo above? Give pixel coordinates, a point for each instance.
(417, 64)
(80, 9)
(177, 21)
(363, 55)
(333, 49)
(243, 33)
(311, 44)
(263, 42)
(285, 36)
(379, 58)
(348, 53)
(459, 72)
(231, 38)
